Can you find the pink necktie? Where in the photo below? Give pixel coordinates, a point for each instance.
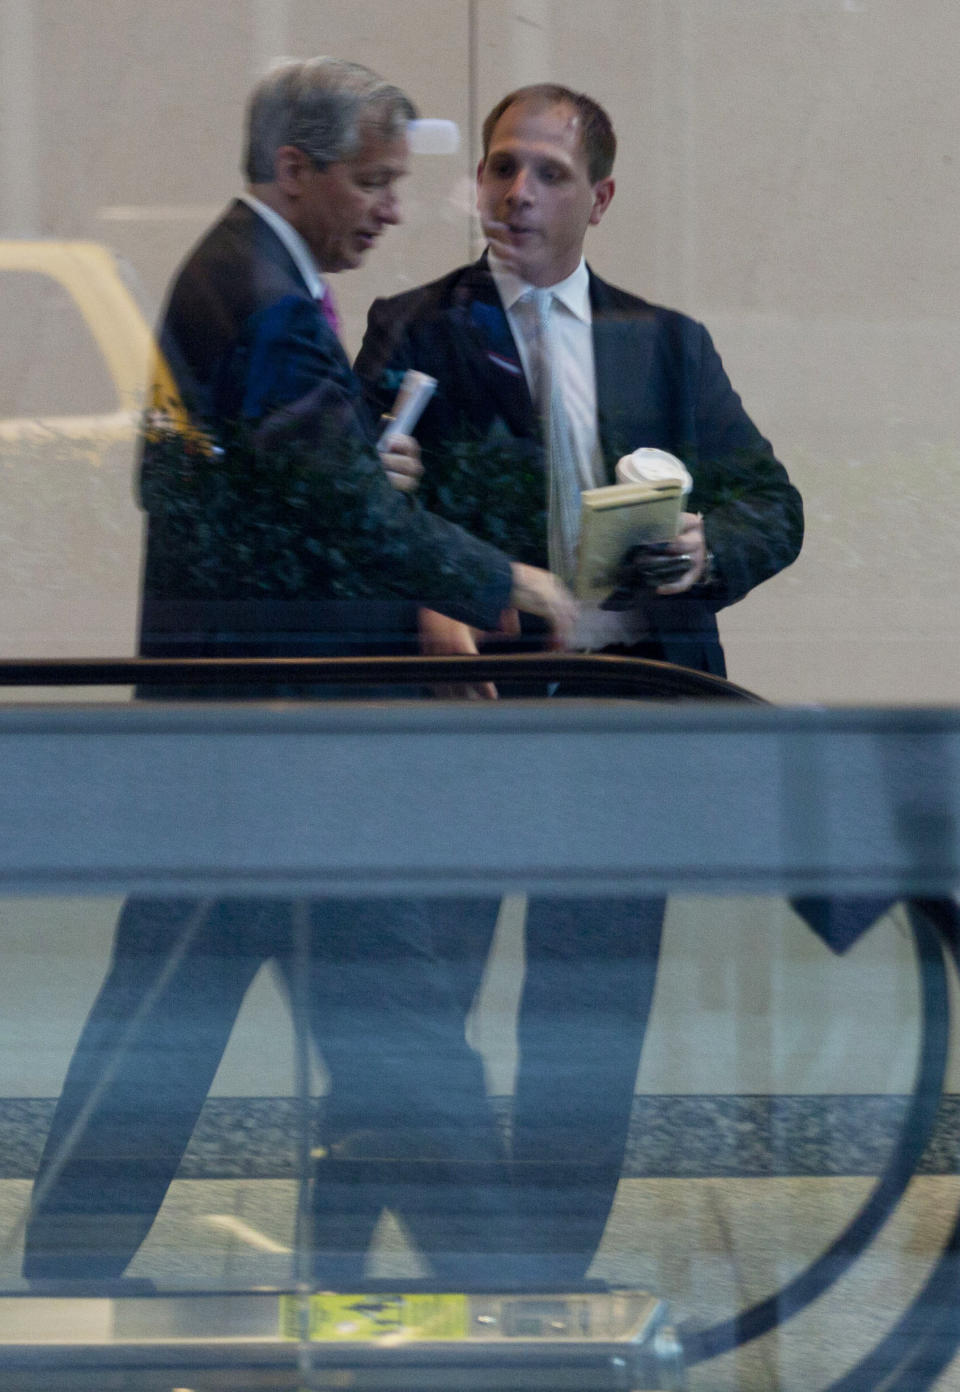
(329, 310)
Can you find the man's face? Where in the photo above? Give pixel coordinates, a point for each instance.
(342, 210)
(534, 191)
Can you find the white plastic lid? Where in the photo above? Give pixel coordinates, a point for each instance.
(648, 465)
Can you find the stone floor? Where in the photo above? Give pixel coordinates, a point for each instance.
(709, 1246)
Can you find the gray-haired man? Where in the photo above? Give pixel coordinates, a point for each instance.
(272, 527)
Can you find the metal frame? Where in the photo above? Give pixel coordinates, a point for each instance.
(394, 797)
(437, 797)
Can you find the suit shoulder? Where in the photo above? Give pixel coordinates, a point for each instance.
(430, 298)
(613, 300)
(420, 321)
(238, 262)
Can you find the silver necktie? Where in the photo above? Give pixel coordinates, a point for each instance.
(563, 483)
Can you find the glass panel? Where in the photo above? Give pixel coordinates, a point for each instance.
(786, 177)
(50, 363)
(761, 1161)
(796, 196)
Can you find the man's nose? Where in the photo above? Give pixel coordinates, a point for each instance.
(520, 190)
(389, 210)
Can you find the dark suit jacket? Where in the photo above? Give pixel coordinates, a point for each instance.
(280, 513)
(660, 383)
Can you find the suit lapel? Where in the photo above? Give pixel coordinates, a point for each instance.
(267, 247)
(272, 259)
(623, 347)
(483, 330)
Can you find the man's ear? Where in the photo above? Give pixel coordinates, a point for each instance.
(602, 196)
(289, 167)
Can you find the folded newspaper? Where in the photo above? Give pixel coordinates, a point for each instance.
(643, 505)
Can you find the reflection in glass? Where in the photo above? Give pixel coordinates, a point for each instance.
(767, 1105)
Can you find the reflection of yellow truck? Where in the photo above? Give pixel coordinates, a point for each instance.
(76, 352)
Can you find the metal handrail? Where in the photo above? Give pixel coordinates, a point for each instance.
(652, 680)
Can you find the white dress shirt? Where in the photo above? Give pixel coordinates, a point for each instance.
(571, 348)
(571, 352)
(302, 255)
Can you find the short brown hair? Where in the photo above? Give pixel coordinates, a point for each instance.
(597, 138)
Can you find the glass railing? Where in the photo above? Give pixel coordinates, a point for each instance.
(364, 870)
(310, 1176)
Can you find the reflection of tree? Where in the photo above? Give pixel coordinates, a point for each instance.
(493, 487)
(278, 516)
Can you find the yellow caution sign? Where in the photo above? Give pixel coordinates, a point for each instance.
(391, 1319)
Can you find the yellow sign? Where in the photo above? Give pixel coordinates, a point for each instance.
(392, 1319)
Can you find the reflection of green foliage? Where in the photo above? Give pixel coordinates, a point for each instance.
(494, 488)
(287, 518)
(238, 522)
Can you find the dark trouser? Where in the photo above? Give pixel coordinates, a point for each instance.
(591, 968)
(382, 1011)
(590, 972)
(390, 985)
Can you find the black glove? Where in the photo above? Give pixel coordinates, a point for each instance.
(645, 567)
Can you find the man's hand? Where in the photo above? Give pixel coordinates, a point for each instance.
(401, 460)
(444, 637)
(661, 567)
(538, 592)
(691, 543)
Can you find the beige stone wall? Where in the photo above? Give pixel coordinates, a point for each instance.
(788, 172)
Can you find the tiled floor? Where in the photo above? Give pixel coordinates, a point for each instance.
(733, 1080)
(708, 1246)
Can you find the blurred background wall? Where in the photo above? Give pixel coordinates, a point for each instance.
(787, 172)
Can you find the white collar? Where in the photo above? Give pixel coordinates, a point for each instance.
(302, 255)
(573, 292)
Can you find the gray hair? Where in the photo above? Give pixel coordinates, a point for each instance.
(322, 106)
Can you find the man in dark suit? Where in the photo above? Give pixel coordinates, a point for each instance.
(631, 374)
(295, 501)
(275, 527)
